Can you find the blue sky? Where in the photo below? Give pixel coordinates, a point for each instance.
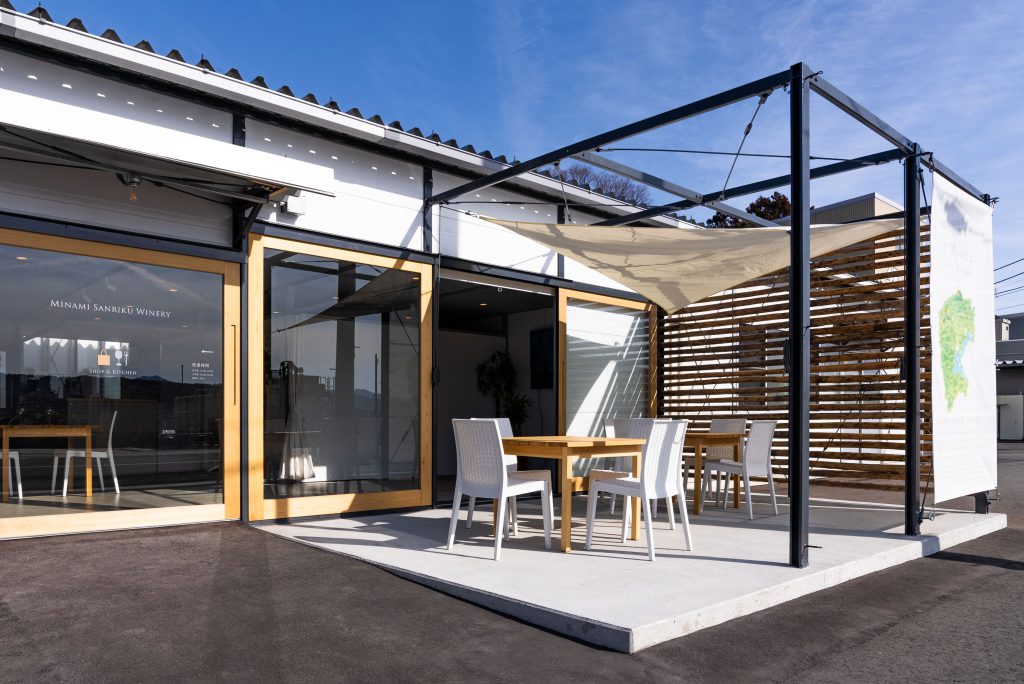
(520, 78)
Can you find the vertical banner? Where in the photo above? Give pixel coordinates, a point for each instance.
(963, 343)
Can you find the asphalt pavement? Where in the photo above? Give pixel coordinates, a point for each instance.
(226, 602)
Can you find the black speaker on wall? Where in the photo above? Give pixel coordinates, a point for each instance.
(542, 358)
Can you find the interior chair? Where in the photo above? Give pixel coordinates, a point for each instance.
(97, 455)
(512, 466)
(726, 425)
(757, 460)
(15, 463)
(482, 473)
(661, 477)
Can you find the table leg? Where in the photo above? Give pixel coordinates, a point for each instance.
(634, 523)
(736, 478)
(698, 473)
(7, 468)
(69, 467)
(88, 465)
(565, 473)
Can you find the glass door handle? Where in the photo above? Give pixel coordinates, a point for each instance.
(234, 355)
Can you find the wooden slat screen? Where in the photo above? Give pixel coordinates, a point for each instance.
(723, 356)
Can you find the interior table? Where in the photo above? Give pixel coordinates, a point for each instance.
(25, 431)
(698, 441)
(568, 450)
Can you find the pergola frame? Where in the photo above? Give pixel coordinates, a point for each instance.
(800, 80)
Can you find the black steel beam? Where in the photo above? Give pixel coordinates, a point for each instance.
(952, 176)
(912, 338)
(859, 112)
(686, 111)
(686, 193)
(760, 186)
(799, 315)
(428, 210)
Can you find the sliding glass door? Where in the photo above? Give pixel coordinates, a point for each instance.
(607, 361)
(344, 347)
(118, 396)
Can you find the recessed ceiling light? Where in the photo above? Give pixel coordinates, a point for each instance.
(21, 258)
(483, 303)
(173, 289)
(95, 318)
(275, 312)
(183, 325)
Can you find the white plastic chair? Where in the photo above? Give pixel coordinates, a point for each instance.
(512, 466)
(757, 460)
(661, 477)
(96, 456)
(726, 425)
(15, 463)
(482, 473)
(615, 427)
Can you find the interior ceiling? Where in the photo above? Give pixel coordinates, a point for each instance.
(460, 305)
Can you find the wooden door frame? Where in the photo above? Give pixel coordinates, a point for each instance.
(261, 508)
(90, 521)
(564, 295)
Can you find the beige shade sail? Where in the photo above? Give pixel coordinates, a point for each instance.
(674, 267)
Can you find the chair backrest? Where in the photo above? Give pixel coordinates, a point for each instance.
(616, 427)
(481, 460)
(758, 454)
(505, 430)
(663, 456)
(110, 434)
(728, 425)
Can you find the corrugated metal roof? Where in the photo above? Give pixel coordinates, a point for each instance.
(39, 13)
(1010, 362)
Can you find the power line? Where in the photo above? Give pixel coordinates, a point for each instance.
(999, 268)
(1008, 277)
(1015, 289)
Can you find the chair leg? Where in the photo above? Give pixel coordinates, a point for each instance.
(113, 472)
(627, 514)
(502, 504)
(591, 514)
(649, 527)
(469, 516)
(514, 516)
(685, 520)
(456, 505)
(771, 492)
(67, 473)
(671, 513)
(611, 507)
(547, 508)
(53, 480)
(99, 469)
(728, 480)
(654, 509)
(750, 499)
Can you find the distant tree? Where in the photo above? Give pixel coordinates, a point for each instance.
(769, 208)
(609, 183)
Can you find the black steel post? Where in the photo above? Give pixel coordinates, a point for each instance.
(912, 338)
(559, 259)
(799, 314)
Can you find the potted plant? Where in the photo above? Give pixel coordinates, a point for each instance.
(497, 377)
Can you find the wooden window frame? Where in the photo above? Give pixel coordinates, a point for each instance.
(261, 508)
(229, 509)
(564, 295)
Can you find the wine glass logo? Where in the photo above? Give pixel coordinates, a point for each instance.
(118, 355)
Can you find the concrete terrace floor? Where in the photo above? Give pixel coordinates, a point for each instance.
(229, 603)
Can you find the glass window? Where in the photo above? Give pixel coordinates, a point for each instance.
(607, 367)
(341, 366)
(132, 353)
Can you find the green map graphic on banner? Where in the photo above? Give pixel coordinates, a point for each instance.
(956, 331)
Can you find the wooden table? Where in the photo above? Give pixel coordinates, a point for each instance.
(700, 440)
(26, 431)
(567, 450)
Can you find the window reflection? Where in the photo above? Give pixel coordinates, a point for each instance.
(84, 339)
(342, 377)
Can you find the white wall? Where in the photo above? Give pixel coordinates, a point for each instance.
(376, 198)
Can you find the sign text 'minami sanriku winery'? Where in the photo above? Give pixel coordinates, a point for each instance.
(123, 309)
